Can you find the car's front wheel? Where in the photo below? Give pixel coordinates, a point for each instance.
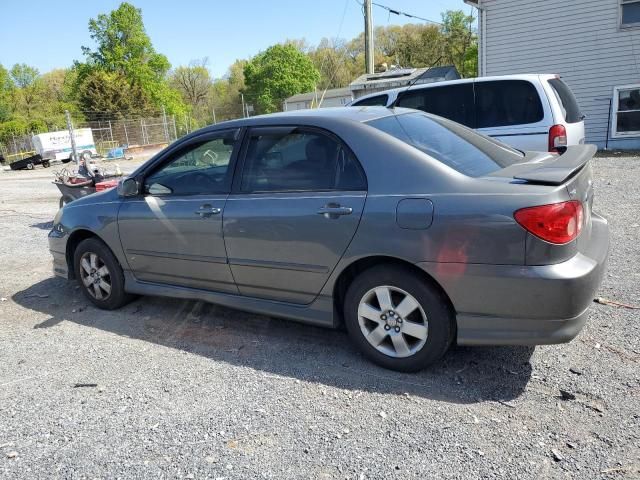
(100, 275)
(397, 319)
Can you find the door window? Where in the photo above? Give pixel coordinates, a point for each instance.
(299, 160)
(379, 100)
(200, 168)
(454, 102)
(507, 102)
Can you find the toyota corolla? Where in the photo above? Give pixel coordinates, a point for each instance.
(411, 230)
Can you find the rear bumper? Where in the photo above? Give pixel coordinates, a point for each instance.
(525, 305)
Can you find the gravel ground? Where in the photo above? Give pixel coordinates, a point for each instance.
(180, 389)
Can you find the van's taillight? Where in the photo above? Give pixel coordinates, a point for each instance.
(557, 138)
(557, 223)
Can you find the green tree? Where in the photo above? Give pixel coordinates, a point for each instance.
(460, 42)
(194, 84)
(6, 87)
(125, 51)
(278, 73)
(28, 88)
(111, 94)
(225, 93)
(332, 60)
(12, 128)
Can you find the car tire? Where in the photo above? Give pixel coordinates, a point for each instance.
(409, 339)
(46, 164)
(66, 160)
(99, 275)
(29, 166)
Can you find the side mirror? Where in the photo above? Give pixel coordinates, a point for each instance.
(129, 187)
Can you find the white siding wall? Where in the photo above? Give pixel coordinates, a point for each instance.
(579, 39)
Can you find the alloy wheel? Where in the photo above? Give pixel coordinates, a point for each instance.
(393, 321)
(95, 276)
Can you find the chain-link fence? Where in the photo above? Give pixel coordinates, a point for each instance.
(132, 134)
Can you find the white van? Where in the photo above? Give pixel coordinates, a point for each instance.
(57, 145)
(529, 112)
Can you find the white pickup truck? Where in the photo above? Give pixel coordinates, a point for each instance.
(57, 145)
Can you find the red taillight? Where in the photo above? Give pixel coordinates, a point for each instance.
(557, 138)
(557, 223)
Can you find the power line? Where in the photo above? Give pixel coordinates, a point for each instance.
(395, 11)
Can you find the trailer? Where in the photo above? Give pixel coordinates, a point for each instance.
(29, 163)
(57, 145)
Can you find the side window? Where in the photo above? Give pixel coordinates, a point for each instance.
(299, 160)
(199, 169)
(507, 102)
(377, 101)
(454, 102)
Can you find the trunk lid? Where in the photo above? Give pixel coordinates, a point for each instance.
(549, 168)
(571, 170)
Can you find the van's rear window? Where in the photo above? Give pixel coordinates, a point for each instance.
(568, 102)
(449, 142)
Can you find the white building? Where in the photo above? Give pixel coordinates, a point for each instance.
(335, 97)
(593, 44)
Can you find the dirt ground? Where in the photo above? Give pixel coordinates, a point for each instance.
(179, 389)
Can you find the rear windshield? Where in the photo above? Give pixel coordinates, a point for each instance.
(568, 102)
(378, 101)
(453, 144)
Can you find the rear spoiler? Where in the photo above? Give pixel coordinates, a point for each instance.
(556, 171)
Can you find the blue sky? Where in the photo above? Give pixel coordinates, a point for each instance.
(49, 34)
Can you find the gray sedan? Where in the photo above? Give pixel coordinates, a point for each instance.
(411, 230)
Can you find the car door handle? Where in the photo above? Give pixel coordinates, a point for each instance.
(334, 211)
(207, 211)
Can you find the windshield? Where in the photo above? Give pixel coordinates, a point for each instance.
(449, 142)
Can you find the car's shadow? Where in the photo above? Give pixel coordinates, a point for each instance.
(43, 225)
(283, 348)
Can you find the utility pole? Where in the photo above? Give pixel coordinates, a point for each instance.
(73, 140)
(242, 98)
(368, 37)
(164, 124)
(213, 110)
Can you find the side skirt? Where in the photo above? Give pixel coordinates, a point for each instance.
(319, 313)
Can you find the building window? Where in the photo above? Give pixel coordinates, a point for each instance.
(626, 111)
(630, 13)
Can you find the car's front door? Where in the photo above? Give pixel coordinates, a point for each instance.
(172, 232)
(294, 209)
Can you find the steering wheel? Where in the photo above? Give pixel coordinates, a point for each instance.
(212, 155)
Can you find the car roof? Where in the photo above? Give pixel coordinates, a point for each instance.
(306, 116)
(420, 86)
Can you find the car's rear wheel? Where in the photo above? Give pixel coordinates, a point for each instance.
(397, 319)
(100, 275)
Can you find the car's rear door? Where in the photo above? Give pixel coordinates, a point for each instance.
(296, 203)
(172, 233)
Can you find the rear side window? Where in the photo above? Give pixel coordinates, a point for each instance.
(299, 160)
(507, 102)
(378, 101)
(454, 102)
(450, 143)
(568, 102)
